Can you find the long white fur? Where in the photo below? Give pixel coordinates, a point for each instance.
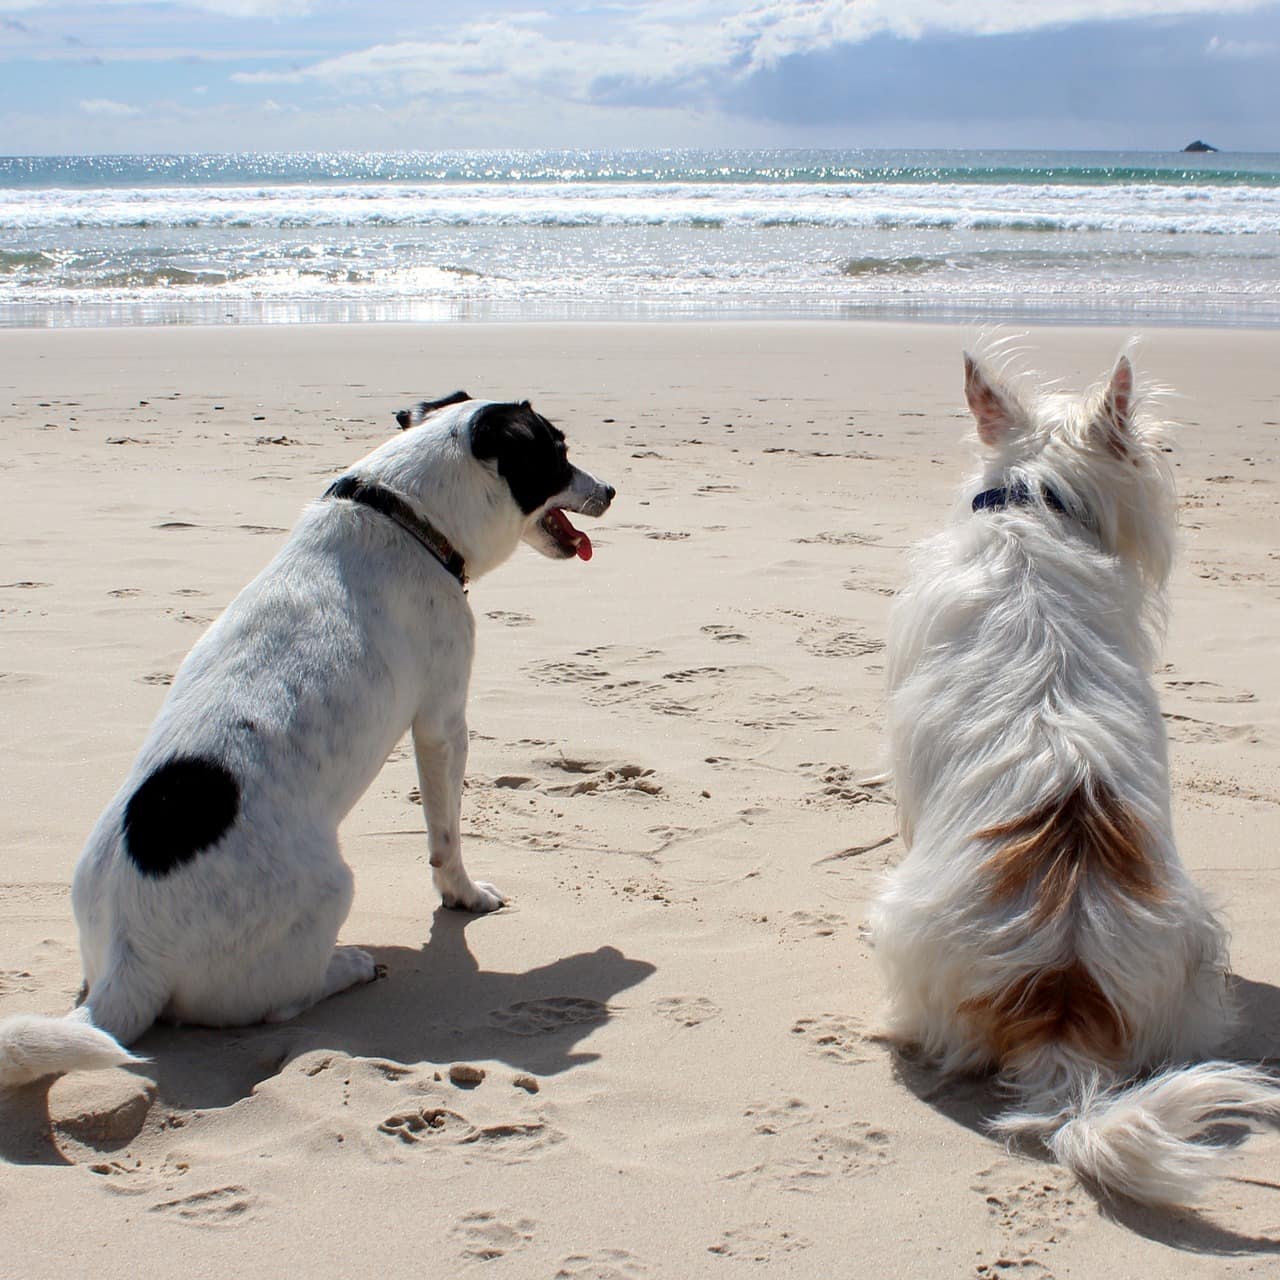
(352, 635)
(1018, 665)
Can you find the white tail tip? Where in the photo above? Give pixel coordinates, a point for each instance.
(32, 1046)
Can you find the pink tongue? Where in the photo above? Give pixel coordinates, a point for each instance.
(581, 543)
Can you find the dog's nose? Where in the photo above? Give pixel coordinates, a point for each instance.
(609, 492)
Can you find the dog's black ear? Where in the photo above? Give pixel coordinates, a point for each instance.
(424, 408)
(528, 450)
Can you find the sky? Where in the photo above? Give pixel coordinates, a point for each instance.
(394, 75)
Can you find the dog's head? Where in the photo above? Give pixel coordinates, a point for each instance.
(1101, 454)
(527, 456)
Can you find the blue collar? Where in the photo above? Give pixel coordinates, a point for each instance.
(1020, 494)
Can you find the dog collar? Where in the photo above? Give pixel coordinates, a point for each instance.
(1019, 494)
(398, 511)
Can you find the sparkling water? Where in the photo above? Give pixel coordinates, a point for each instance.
(1102, 237)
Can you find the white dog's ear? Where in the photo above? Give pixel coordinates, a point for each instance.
(997, 412)
(1115, 411)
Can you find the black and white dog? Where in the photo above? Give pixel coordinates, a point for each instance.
(212, 889)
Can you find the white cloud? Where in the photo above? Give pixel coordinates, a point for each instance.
(685, 42)
(107, 107)
(780, 28)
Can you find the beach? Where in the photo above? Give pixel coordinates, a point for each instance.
(672, 775)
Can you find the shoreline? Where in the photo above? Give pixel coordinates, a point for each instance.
(158, 315)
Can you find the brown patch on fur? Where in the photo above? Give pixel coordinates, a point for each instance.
(1052, 1006)
(1044, 859)
(1050, 853)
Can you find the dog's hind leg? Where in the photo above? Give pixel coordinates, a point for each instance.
(442, 762)
(127, 997)
(348, 967)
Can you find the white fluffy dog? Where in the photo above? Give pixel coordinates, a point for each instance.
(212, 888)
(1041, 924)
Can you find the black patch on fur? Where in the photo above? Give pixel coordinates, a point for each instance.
(529, 451)
(411, 417)
(181, 809)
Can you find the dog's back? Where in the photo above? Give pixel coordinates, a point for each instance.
(1041, 924)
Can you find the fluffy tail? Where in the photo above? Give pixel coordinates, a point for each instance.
(118, 1008)
(32, 1046)
(1145, 1141)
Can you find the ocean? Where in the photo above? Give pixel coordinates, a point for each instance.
(1099, 237)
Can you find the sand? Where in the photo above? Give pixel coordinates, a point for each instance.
(669, 1022)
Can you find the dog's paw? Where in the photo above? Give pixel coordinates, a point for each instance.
(477, 897)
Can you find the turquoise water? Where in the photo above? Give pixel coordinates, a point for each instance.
(1101, 237)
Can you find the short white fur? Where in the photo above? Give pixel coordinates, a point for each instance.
(351, 636)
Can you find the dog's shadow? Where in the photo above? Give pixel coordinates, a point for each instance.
(973, 1102)
(435, 1006)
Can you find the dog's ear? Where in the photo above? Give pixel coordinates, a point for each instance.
(1114, 416)
(424, 408)
(997, 413)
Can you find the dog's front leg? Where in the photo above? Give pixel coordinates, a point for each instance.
(442, 762)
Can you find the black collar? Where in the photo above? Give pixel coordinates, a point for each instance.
(1020, 494)
(398, 511)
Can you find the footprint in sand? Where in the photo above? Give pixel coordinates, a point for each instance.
(614, 777)
(812, 924)
(1031, 1207)
(509, 619)
(1209, 691)
(1027, 1201)
(842, 784)
(687, 1011)
(567, 673)
(603, 1264)
(510, 1142)
(426, 1125)
(839, 1037)
(842, 539)
(1011, 1265)
(841, 644)
(726, 635)
(758, 1242)
(1188, 729)
(515, 1141)
(619, 654)
(693, 674)
(538, 1017)
(218, 1208)
(803, 1148)
(157, 677)
(485, 1235)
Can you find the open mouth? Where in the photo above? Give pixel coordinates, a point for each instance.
(573, 542)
